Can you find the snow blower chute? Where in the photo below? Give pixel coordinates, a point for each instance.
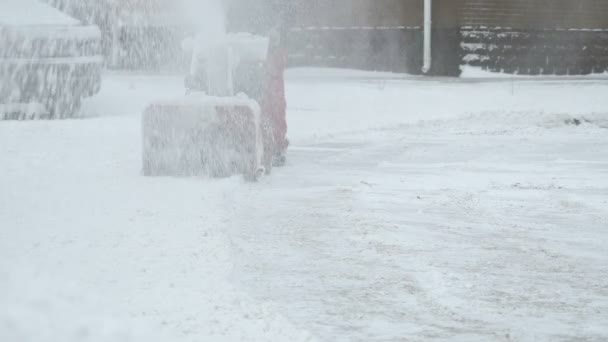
(216, 128)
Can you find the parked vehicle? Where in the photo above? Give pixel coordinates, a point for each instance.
(49, 61)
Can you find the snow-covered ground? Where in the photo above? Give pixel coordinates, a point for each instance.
(410, 209)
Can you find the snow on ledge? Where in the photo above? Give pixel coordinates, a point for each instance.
(57, 31)
(477, 72)
(32, 13)
(22, 111)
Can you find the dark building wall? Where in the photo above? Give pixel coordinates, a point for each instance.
(523, 36)
(375, 13)
(536, 37)
(536, 14)
(383, 35)
(348, 13)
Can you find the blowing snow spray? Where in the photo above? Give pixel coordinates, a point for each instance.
(211, 130)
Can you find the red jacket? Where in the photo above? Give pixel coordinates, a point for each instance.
(274, 104)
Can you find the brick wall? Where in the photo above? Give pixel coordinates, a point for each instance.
(536, 14)
(536, 37)
(513, 36)
(384, 35)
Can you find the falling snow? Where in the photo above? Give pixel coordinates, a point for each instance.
(410, 207)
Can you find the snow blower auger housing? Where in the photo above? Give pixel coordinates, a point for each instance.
(203, 135)
(211, 131)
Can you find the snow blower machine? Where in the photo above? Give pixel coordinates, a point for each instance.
(216, 128)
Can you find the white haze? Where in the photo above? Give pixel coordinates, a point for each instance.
(207, 17)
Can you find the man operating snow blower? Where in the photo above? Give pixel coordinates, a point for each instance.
(218, 128)
(274, 104)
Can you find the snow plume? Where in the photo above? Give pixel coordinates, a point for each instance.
(208, 17)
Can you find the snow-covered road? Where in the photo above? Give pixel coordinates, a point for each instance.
(410, 209)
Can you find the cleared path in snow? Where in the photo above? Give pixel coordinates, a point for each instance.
(469, 229)
(477, 213)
